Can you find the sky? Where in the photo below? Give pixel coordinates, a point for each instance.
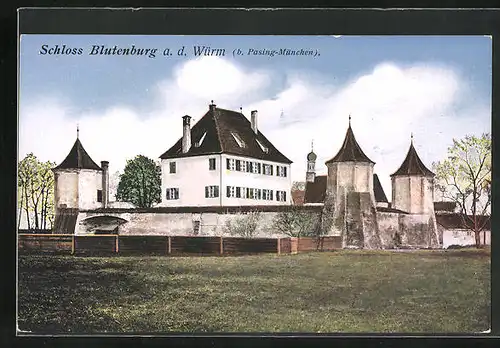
(436, 87)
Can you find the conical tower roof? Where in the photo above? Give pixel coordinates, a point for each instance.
(350, 150)
(412, 165)
(78, 158)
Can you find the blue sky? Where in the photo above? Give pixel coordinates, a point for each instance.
(435, 87)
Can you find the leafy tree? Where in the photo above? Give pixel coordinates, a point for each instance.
(465, 178)
(36, 192)
(140, 182)
(243, 226)
(296, 222)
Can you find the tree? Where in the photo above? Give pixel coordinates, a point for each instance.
(36, 192)
(140, 182)
(296, 222)
(298, 186)
(465, 178)
(243, 226)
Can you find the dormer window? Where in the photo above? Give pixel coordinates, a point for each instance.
(262, 147)
(238, 140)
(199, 142)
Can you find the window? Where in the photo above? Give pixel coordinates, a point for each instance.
(281, 196)
(255, 168)
(211, 191)
(281, 171)
(249, 193)
(238, 192)
(172, 193)
(243, 167)
(238, 140)
(249, 167)
(267, 194)
(99, 196)
(257, 193)
(230, 191)
(199, 142)
(268, 169)
(211, 163)
(262, 147)
(230, 164)
(238, 165)
(259, 168)
(173, 168)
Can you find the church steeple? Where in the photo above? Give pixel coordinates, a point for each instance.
(350, 150)
(412, 165)
(311, 164)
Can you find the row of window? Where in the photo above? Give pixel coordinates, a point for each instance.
(242, 166)
(234, 192)
(254, 167)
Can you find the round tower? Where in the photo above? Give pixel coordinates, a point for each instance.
(311, 165)
(413, 185)
(350, 170)
(78, 181)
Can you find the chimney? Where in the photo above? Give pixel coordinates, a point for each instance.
(254, 121)
(105, 183)
(186, 133)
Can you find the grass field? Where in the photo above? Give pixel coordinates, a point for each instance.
(344, 291)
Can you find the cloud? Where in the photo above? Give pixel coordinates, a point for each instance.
(386, 104)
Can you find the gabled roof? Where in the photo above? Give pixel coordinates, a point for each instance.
(456, 221)
(444, 206)
(350, 150)
(316, 191)
(78, 158)
(223, 128)
(378, 190)
(412, 165)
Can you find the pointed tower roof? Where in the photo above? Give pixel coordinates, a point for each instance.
(412, 165)
(78, 158)
(350, 150)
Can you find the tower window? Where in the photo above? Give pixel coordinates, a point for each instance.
(99, 196)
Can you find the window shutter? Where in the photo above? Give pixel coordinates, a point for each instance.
(238, 192)
(216, 191)
(238, 165)
(271, 194)
(284, 196)
(284, 171)
(206, 192)
(249, 167)
(227, 163)
(176, 193)
(228, 191)
(271, 169)
(259, 168)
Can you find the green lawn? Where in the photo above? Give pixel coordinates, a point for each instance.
(344, 291)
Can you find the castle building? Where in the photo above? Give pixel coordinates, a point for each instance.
(79, 183)
(356, 205)
(224, 160)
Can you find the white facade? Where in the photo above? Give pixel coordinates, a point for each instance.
(193, 175)
(77, 188)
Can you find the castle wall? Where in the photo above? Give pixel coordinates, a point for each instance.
(388, 224)
(180, 224)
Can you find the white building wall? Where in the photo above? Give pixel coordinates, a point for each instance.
(89, 182)
(463, 237)
(193, 175)
(66, 189)
(255, 181)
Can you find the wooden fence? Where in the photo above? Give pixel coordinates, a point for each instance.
(168, 245)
